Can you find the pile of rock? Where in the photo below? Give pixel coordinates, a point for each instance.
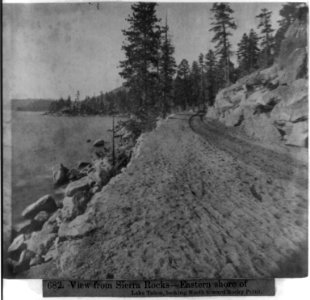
(25, 249)
(49, 220)
(36, 238)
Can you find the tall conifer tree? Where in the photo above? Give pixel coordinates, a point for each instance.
(248, 53)
(183, 88)
(202, 78)
(167, 69)
(254, 50)
(267, 40)
(195, 83)
(222, 25)
(141, 47)
(243, 55)
(211, 76)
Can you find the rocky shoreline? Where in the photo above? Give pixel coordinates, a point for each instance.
(49, 220)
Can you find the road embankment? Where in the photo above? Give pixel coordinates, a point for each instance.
(203, 203)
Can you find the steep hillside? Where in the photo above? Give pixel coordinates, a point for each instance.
(271, 105)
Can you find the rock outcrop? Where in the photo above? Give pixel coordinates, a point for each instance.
(60, 175)
(46, 203)
(99, 143)
(49, 221)
(80, 185)
(271, 105)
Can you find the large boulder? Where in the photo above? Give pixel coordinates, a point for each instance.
(41, 218)
(22, 263)
(30, 225)
(99, 143)
(53, 223)
(60, 175)
(290, 94)
(212, 113)
(299, 135)
(17, 245)
(268, 75)
(78, 227)
(74, 206)
(299, 111)
(82, 184)
(233, 117)
(51, 254)
(40, 242)
(102, 173)
(83, 164)
(293, 106)
(46, 203)
(261, 127)
(224, 103)
(25, 226)
(295, 112)
(36, 260)
(256, 98)
(75, 174)
(25, 258)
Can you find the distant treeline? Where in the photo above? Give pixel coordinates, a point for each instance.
(31, 104)
(104, 104)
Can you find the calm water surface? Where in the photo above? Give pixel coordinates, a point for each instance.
(40, 142)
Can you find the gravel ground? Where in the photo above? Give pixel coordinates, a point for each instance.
(196, 201)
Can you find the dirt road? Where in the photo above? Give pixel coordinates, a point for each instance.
(203, 203)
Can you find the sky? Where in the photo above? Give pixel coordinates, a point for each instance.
(53, 50)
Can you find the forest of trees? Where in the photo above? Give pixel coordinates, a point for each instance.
(104, 104)
(154, 84)
(154, 80)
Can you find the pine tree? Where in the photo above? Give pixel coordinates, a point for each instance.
(254, 51)
(183, 88)
(141, 47)
(243, 55)
(267, 40)
(195, 83)
(202, 78)
(167, 70)
(222, 25)
(248, 53)
(211, 76)
(68, 102)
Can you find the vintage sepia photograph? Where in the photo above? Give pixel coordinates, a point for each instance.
(155, 140)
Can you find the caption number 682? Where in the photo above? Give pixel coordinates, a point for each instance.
(55, 285)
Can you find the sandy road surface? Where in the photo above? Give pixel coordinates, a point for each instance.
(194, 204)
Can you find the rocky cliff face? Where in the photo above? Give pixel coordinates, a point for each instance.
(271, 105)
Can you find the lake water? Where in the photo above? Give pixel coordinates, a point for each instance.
(40, 142)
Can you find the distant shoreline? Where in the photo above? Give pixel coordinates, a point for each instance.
(60, 114)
